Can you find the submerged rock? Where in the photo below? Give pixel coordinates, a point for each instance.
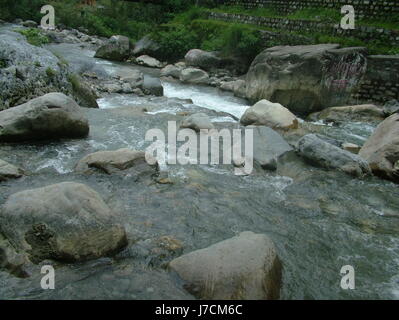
(270, 114)
(381, 150)
(245, 267)
(193, 75)
(326, 155)
(122, 161)
(116, 48)
(51, 116)
(363, 112)
(8, 171)
(65, 222)
(197, 122)
(305, 78)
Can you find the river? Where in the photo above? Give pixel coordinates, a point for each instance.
(319, 220)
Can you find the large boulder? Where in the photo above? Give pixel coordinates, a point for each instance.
(116, 48)
(245, 267)
(148, 61)
(270, 114)
(171, 71)
(326, 155)
(9, 171)
(363, 112)
(238, 87)
(51, 116)
(195, 76)
(202, 59)
(306, 78)
(66, 222)
(381, 150)
(122, 161)
(268, 147)
(153, 86)
(197, 122)
(27, 71)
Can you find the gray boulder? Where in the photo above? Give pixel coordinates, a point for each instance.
(381, 150)
(326, 155)
(8, 171)
(193, 75)
(238, 87)
(116, 48)
(66, 222)
(27, 71)
(364, 113)
(146, 46)
(51, 116)
(122, 161)
(245, 267)
(153, 86)
(197, 122)
(202, 59)
(268, 147)
(306, 78)
(148, 61)
(171, 71)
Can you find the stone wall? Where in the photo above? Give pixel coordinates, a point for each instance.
(363, 8)
(381, 81)
(364, 33)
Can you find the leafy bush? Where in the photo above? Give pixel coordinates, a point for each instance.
(34, 36)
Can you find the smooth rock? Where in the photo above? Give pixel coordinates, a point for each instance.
(116, 48)
(351, 147)
(326, 155)
(202, 59)
(245, 267)
(381, 150)
(364, 113)
(51, 116)
(193, 75)
(8, 171)
(197, 122)
(148, 62)
(171, 71)
(270, 114)
(153, 86)
(66, 222)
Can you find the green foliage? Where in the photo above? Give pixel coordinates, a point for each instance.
(50, 72)
(3, 63)
(318, 14)
(34, 36)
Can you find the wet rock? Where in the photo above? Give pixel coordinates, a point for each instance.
(364, 112)
(245, 267)
(122, 161)
(202, 59)
(116, 48)
(153, 86)
(197, 122)
(238, 87)
(270, 114)
(193, 75)
(8, 171)
(113, 88)
(326, 155)
(84, 94)
(35, 71)
(391, 107)
(304, 78)
(171, 71)
(30, 24)
(381, 150)
(351, 147)
(148, 61)
(268, 146)
(135, 79)
(65, 222)
(51, 116)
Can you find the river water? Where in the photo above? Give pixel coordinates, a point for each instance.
(319, 220)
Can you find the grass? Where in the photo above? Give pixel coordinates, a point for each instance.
(34, 36)
(50, 72)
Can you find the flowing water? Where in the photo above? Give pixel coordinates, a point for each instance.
(319, 220)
